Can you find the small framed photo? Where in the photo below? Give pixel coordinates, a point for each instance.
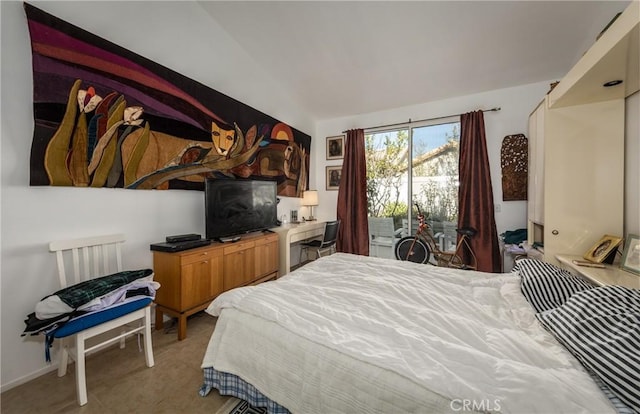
(599, 252)
(333, 177)
(335, 147)
(631, 255)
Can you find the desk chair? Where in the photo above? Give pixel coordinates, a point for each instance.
(328, 242)
(89, 258)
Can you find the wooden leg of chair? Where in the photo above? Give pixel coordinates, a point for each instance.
(148, 349)
(64, 357)
(81, 380)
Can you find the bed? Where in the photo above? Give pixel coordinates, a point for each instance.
(351, 333)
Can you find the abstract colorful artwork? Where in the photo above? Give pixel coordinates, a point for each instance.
(107, 117)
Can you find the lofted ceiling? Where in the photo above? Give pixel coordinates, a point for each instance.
(339, 58)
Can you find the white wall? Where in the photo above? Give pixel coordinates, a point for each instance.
(178, 35)
(516, 103)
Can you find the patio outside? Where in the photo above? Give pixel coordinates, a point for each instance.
(434, 184)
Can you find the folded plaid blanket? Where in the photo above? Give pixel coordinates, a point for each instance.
(83, 292)
(56, 309)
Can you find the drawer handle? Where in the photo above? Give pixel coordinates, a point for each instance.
(204, 254)
(555, 232)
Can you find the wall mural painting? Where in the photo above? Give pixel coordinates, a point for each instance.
(106, 117)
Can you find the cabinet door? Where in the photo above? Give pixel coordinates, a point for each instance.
(584, 149)
(239, 265)
(216, 271)
(266, 256)
(196, 283)
(538, 205)
(201, 274)
(531, 188)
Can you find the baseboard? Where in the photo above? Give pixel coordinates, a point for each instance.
(55, 358)
(27, 378)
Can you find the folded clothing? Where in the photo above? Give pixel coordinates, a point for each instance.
(94, 294)
(55, 310)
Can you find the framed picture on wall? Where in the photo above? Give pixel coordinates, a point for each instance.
(333, 177)
(335, 147)
(631, 255)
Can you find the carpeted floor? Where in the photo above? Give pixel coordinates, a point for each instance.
(118, 380)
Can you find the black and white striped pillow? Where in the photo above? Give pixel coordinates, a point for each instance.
(546, 286)
(601, 328)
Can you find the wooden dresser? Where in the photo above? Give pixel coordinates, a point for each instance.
(191, 279)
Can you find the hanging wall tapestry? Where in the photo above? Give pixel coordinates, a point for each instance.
(514, 162)
(106, 117)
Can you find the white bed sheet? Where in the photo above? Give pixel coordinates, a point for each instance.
(396, 335)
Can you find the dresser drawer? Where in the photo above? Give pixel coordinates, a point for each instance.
(271, 238)
(238, 246)
(200, 256)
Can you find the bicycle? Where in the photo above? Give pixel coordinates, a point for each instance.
(420, 247)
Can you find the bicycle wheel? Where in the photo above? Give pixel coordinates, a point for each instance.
(412, 249)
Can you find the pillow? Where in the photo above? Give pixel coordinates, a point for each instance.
(546, 286)
(601, 328)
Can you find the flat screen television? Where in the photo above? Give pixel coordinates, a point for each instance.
(234, 207)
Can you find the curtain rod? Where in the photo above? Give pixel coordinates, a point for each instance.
(423, 120)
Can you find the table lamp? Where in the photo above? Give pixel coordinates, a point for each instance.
(310, 199)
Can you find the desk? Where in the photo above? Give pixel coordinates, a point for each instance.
(292, 233)
(609, 275)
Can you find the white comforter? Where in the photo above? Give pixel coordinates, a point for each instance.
(469, 337)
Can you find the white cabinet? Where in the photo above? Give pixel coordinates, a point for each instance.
(584, 176)
(614, 56)
(576, 165)
(576, 176)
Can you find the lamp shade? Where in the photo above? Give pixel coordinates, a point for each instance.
(310, 198)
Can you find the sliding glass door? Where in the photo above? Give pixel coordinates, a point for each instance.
(413, 164)
(434, 179)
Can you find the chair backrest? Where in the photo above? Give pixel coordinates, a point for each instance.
(405, 227)
(330, 233)
(87, 258)
(449, 236)
(381, 227)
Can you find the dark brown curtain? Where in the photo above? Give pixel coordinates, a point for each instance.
(353, 235)
(475, 195)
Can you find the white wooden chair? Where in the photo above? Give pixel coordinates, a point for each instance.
(88, 258)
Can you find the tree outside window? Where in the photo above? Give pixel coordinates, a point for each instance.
(434, 174)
